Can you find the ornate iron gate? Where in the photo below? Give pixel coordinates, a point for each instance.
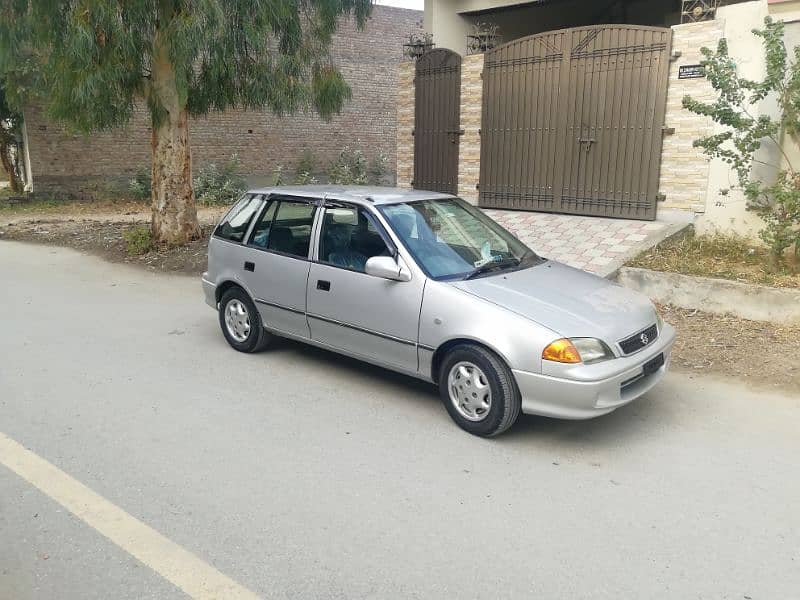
(572, 121)
(436, 121)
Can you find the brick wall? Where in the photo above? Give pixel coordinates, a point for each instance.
(684, 169)
(368, 60)
(405, 124)
(469, 153)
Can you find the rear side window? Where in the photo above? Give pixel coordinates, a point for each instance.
(238, 219)
(291, 228)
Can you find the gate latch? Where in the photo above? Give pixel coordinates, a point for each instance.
(588, 142)
(454, 133)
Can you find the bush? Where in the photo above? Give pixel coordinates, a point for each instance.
(141, 184)
(277, 176)
(139, 240)
(219, 185)
(377, 170)
(774, 195)
(305, 169)
(349, 168)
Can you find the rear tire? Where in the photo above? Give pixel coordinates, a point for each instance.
(241, 322)
(479, 391)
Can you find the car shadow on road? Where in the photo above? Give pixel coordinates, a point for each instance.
(638, 419)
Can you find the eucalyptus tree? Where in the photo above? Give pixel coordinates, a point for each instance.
(95, 60)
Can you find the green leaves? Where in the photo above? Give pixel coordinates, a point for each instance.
(772, 190)
(90, 61)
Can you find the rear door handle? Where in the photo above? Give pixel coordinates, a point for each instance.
(249, 266)
(323, 285)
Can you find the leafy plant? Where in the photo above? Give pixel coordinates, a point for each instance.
(377, 169)
(306, 166)
(140, 184)
(349, 168)
(774, 196)
(219, 185)
(139, 240)
(277, 175)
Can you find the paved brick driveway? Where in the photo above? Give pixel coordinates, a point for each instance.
(591, 243)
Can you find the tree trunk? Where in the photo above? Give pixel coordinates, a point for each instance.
(174, 220)
(10, 168)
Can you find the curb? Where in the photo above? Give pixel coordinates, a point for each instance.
(717, 296)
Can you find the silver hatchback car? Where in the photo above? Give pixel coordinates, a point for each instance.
(425, 284)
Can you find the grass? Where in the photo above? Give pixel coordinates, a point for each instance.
(139, 240)
(721, 256)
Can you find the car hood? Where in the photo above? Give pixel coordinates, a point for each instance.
(572, 302)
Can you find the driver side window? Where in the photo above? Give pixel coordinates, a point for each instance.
(349, 238)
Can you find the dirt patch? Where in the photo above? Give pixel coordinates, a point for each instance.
(47, 208)
(105, 239)
(764, 354)
(723, 257)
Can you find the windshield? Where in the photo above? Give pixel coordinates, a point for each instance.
(451, 239)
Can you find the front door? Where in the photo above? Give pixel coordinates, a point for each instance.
(277, 265)
(366, 316)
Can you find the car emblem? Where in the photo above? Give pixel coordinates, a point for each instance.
(645, 339)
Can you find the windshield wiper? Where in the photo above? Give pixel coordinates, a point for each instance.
(492, 266)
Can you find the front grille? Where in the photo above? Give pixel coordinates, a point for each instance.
(639, 340)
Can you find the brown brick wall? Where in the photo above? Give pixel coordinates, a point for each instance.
(368, 60)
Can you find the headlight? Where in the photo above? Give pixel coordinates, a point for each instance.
(592, 350)
(576, 350)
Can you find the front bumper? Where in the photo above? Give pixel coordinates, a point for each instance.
(583, 395)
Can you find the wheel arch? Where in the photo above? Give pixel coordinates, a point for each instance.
(441, 352)
(227, 285)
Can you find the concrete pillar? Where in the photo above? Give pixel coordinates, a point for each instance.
(685, 169)
(469, 159)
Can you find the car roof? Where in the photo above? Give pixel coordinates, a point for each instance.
(360, 194)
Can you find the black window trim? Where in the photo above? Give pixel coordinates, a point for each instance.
(268, 200)
(333, 203)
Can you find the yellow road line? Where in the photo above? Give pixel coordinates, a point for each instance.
(175, 564)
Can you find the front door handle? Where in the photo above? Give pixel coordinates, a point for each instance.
(323, 285)
(249, 266)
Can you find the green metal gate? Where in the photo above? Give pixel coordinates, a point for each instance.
(573, 119)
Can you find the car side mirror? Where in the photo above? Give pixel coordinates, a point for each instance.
(386, 267)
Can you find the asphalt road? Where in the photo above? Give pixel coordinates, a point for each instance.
(300, 474)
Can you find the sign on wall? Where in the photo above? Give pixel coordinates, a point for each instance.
(691, 72)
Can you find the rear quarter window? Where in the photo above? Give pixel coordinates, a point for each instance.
(237, 221)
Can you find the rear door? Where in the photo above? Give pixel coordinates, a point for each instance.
(278, 261)
(349, 310)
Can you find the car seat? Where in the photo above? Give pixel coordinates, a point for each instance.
(337, 245)
(282, 240)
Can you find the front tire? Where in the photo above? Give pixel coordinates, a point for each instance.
(478, 391)
(241, 322)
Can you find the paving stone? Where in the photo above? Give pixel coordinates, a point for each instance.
(590, 243)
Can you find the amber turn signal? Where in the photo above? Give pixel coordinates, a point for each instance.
(562, 351)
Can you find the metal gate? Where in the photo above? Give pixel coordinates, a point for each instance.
(436, 121)
(572, 121)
